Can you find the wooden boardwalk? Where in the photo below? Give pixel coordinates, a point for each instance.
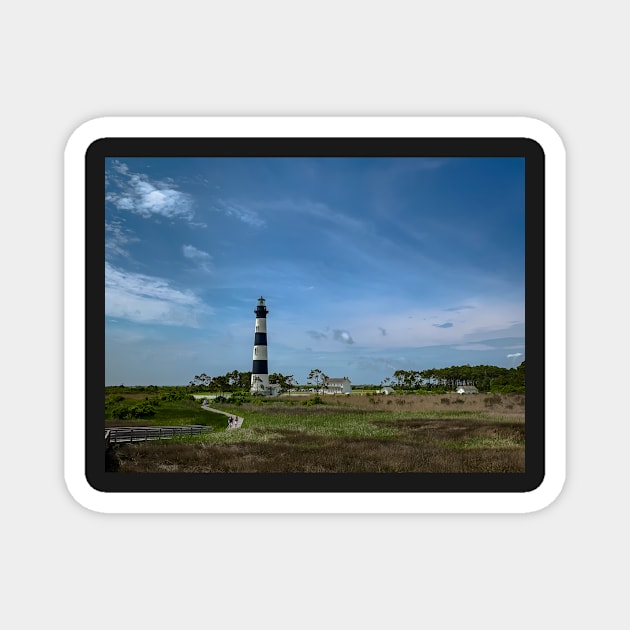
(120, 435)
(123, 435)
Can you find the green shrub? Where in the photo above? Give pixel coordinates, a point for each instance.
(120, 411)
(142, 410)
(316, 400)
(173, 395)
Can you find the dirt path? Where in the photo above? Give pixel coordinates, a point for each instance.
(236, 423)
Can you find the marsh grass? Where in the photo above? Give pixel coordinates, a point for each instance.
(350, 434)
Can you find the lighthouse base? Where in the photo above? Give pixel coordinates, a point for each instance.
(261, 386)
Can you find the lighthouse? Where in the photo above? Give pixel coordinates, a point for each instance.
(260, 368)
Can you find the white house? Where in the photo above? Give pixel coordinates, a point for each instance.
(337, 386)
(466, 389)
(386, 390)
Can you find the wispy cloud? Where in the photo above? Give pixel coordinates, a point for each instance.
(246, 215)
(444, 325)
(457, 309)
(314, 334)
(117, 238)
(202, 259)
(379, 363)
(149, 300)
(474, 346)
(321, 212)
(138, 193)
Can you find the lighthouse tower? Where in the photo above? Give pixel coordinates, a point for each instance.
(260, 368)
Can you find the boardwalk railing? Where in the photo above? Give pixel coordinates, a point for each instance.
(141, 434)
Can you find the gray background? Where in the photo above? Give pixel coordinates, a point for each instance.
(67, 62)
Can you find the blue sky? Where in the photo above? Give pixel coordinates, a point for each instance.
(368, 265)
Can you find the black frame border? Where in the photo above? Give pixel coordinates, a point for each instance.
(153, 147)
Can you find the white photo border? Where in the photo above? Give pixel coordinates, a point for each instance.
(316, 502)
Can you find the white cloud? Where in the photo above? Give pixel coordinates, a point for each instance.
(343, 336)
(119, 167)
(149, 300)
(139, 194)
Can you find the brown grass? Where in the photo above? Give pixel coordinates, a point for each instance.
(421, 434)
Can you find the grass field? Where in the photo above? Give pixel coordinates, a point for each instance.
(412, 433)
(170, 413)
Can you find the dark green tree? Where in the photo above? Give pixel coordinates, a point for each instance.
(287, 383)
(318, 379)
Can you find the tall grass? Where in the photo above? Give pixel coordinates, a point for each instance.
(349, 434)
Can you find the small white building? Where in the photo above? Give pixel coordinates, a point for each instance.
(466, 389)
(386, 390)
(337, 386)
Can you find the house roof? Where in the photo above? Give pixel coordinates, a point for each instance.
(338, 380)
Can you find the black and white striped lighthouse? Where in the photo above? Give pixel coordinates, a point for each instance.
(260, 368)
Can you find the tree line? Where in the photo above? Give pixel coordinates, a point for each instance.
(486, 378)
(236, 381)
